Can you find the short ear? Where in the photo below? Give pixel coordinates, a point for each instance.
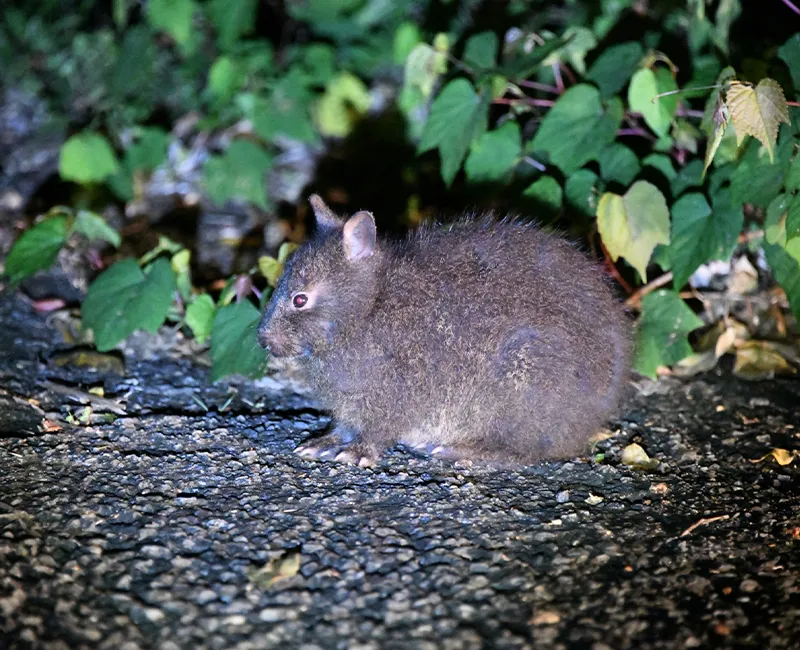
(359, 236)
(326, 218)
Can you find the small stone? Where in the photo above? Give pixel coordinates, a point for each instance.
(156, 551)
(748, 586)
(545, 617)
(205, 596)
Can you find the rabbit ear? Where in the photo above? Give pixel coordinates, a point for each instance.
(326, 218)
(359, 236)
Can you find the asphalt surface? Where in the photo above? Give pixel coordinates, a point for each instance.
(184, 520)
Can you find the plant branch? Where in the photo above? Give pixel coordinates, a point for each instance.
(639, 132)
(538, 86)
(791, 6)
(635, 299)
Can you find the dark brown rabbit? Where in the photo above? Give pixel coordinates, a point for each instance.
(482, 340)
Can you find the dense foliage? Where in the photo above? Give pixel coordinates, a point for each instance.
(647, 123)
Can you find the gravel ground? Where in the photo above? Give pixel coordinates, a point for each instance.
(187, 522)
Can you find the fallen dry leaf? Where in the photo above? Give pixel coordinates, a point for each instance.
(276, 569)
(782, 456)
(636, 457)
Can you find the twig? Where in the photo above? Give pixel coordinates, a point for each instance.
(746, 237)
(511, 101)
(612, 269)
(557, 75)
(791, 6)
(635, 299)
(639, 132)
(689, 112)
(565, 69)
(534, 163)
(704, 522)
(535, 85)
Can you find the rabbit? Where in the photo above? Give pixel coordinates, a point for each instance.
(481, 341)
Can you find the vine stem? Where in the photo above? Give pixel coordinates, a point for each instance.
(639, 132)
(612, 269)
(511, 101)
(539, 86)
(791, 6)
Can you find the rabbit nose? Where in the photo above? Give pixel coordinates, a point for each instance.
(264, 339)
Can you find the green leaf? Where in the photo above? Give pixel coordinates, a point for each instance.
(792, 182)
(716, 116)
(406, 37)
(87, 158)
(775, 222)
(123, 299)
(148, 150)
(547, 192)
(661, 334)
(458, 116)
(581, 41)
(200, 316)
(36, 249)
(181, 266)
(582, 191)
(234, 349)
(632, 225)
(662, 163)
(614, 67)
(319, 66)
(132, 70)
(793, 218)
(618, 164)
(480, 52)
(785, 264)
(93, 226)
(700, 234)
(790, 53)
(645, 85)
(285, 113)
(494, 155)
(223, 79)
(232, 19)
(755, 179)
(526, 63)
(689, 176)
(271, 269)
(238, 174)
(577, 128)
(173, 17)
(345, 100)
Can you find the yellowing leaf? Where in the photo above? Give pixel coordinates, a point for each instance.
(758, 111)
(271, 269)
(346, 98)
(719, 123)
(631, 226)
(286, 249)
(423, 68)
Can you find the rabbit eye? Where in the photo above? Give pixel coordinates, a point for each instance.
(300, 300)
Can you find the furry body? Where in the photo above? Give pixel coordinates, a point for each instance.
(486, 340)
